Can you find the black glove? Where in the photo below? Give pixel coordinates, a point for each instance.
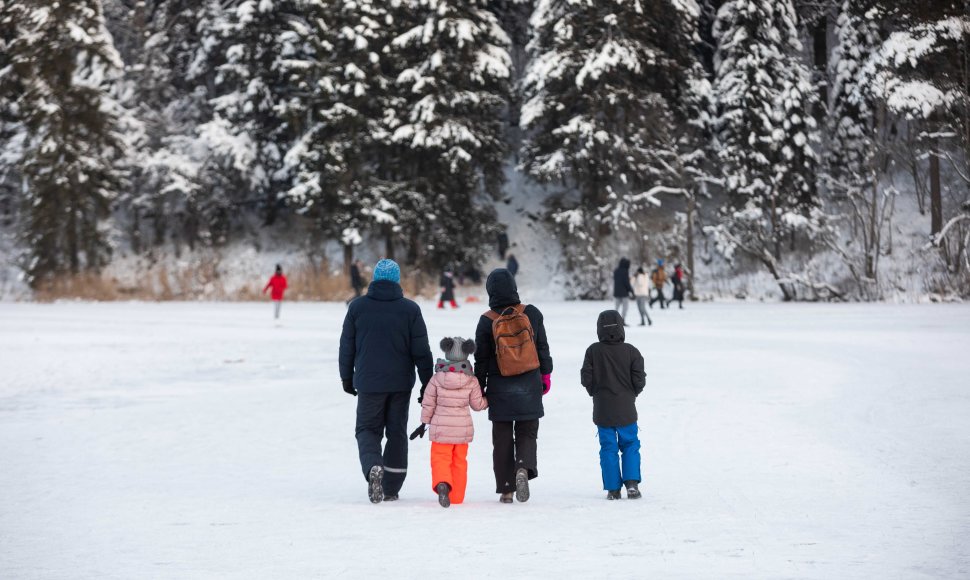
(421, 393)
(349, 387)
(419, 432)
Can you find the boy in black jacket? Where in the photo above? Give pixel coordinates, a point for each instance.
(613, 375)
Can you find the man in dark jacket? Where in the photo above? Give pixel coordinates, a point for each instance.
(384, 338)
(613, 375)
(622, 289)
(515, 402)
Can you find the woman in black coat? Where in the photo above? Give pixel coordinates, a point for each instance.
(515, 402)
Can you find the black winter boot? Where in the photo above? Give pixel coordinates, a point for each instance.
(613, 494)
(375, 484)
(632, 490)
(443, 490)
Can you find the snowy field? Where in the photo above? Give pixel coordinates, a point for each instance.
(202, 441)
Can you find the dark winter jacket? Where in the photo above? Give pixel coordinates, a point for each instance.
(678, 281)
(621, 280)
(356, 281)
(517, 398)
(384, 338)
(447, 284)
(613, 373)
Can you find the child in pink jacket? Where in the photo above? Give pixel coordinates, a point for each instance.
(450, 392)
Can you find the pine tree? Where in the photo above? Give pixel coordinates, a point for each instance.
(922, 75)
(452, 71)
(765, 131)
(11, 130)
(599, 115)
(855, 145)
(337, 163)
(186, 180)
(267, 47)
(70, 163)
(851, 121)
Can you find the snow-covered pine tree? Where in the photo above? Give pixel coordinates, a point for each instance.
(452, 71)
(339, 178)
(765, 132)
(855, 152)
(11, 130)
(599, 118)
(65, 59)
(851, 120)
(267, 47)
(185, 183)
(926, 80)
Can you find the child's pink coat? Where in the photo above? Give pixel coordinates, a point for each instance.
(445, 407)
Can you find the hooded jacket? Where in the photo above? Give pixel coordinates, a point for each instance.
(621, 280)
(516, 398)
(384, 338)
(445, 407)
(613, 373)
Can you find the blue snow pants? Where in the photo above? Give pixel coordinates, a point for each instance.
(613, 441)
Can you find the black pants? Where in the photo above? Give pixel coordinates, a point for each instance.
(660, 297)
(513, 446)
(380, 414)
(677, 297)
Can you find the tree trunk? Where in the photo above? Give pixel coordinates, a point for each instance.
(73, 249)
(388, 242)
(691, 209)
(348, 258)
(873, 246)
(936, 196)
(774, 227)
(786, 292)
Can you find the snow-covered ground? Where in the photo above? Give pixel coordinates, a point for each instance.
(200, 440)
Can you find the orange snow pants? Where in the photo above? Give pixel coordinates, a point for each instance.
(449, 464)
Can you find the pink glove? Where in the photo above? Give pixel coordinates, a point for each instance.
(547, 381)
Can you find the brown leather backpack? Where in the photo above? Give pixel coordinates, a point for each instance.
(515, 345)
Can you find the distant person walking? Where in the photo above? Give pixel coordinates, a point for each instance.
(511, 337)
(502, 244)
(277, 285)
(384, 339)
(678, 281)
(356, 279)
(447, 283)
(622, 289)
(641, 288)
(512, 265)
(659, 279)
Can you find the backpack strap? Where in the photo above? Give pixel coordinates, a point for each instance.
(493, 316)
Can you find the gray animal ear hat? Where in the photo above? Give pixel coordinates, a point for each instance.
(457, 348)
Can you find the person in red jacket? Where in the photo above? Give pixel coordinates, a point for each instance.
(278, 285)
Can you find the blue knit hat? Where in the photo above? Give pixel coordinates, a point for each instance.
(387, 270)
